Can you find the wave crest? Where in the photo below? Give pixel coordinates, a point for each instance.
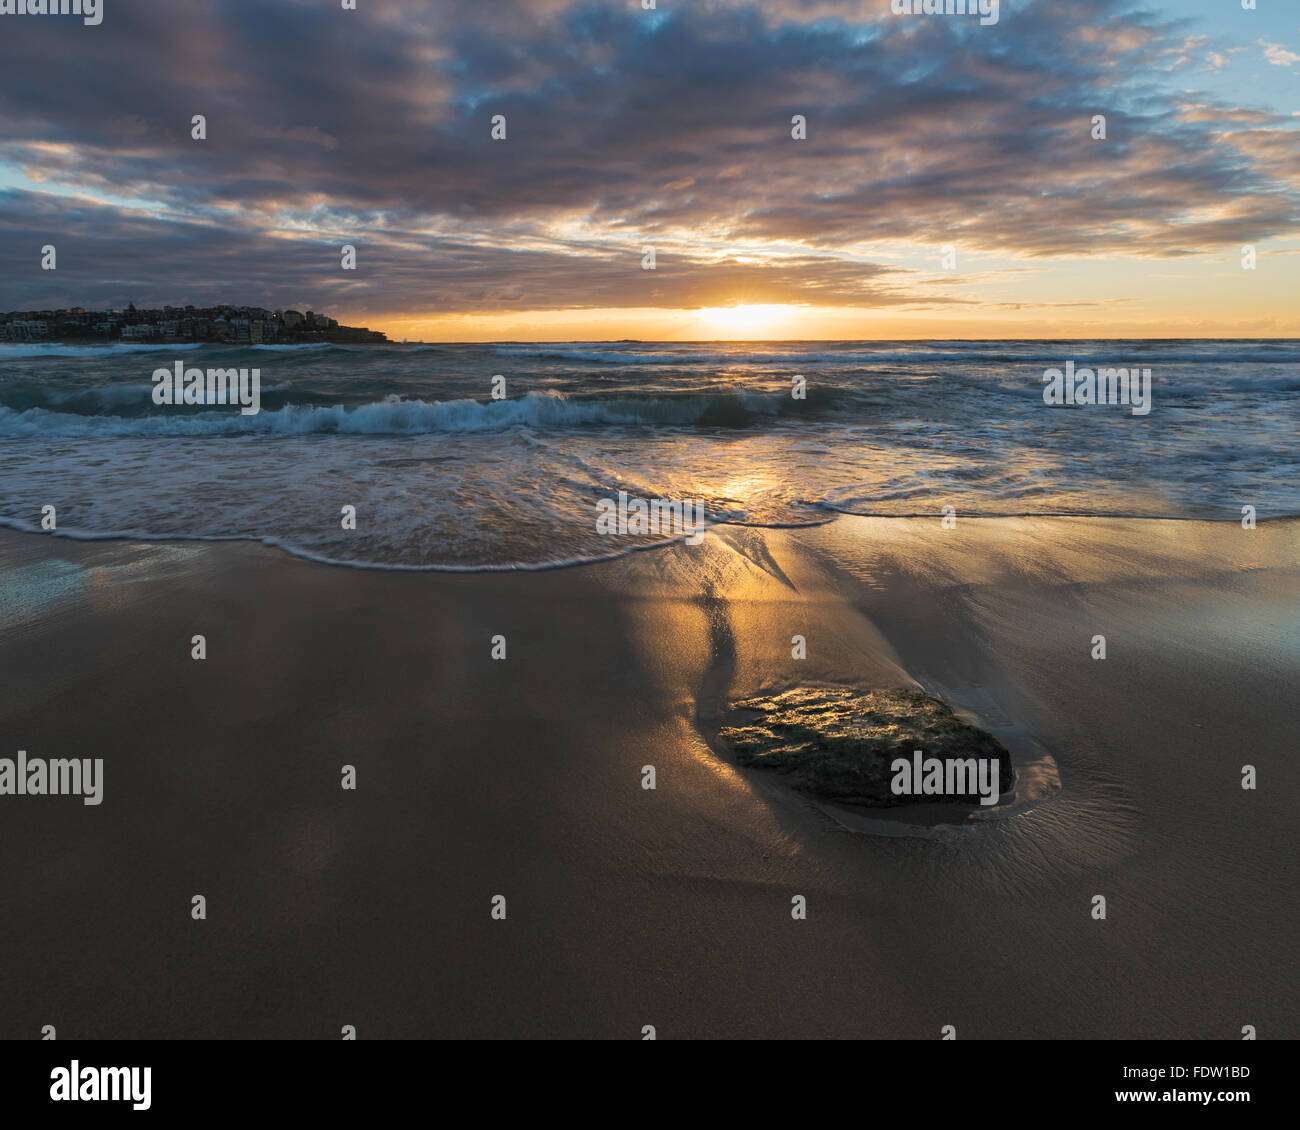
(396, 416)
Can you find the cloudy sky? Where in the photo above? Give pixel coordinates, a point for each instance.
(670, 128)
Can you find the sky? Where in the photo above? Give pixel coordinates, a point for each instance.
(949, 184)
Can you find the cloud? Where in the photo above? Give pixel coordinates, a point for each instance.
(625, 128)
(1278, 55)
(110, 256)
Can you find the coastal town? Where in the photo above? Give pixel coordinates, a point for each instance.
(235, 325)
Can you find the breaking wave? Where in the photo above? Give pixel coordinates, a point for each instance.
(397, 416)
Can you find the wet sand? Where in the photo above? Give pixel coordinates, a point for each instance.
(626, 907)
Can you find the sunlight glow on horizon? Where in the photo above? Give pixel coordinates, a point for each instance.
(1271, 316)
(746, 322)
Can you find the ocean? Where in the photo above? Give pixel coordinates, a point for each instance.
(442, 476)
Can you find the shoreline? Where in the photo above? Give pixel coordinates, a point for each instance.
(630, 906)
(18, 526)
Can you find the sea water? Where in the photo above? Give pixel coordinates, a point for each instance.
(444, 476)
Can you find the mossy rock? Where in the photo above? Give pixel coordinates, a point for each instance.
(840, 744)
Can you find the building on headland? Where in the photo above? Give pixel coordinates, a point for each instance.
(243, 325)
(25, 329)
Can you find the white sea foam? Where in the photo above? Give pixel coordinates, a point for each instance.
(42, 349)
(396, 416)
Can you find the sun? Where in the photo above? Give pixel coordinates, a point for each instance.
(752, 322)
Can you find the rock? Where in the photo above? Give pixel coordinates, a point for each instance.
(840, 744)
